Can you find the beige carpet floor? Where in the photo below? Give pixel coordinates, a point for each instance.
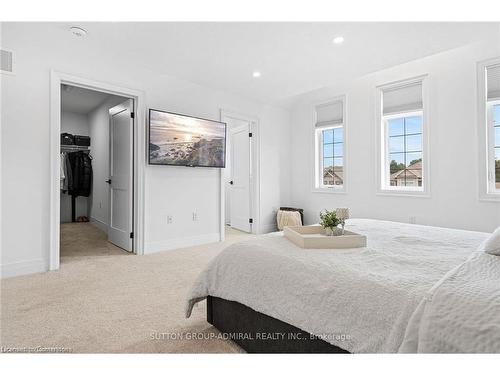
(105, 300)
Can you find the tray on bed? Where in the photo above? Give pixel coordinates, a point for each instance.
(312, 237)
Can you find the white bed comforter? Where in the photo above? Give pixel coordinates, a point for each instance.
(461, 313)
(360, 300)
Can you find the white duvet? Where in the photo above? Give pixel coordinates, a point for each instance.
(360, 300)
(461, 313)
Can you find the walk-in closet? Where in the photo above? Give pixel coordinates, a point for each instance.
(86, 145)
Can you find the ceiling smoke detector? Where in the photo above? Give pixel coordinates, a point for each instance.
(78, 31)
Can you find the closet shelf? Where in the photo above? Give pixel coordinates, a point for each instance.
(74, 148)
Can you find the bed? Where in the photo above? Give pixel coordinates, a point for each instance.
(366, 300)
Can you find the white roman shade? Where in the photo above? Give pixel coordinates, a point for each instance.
(329, 114)
(404, 98)
(493, 82)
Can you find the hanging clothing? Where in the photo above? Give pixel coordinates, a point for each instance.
(85, 177)
(80, 178)
(62, 170)
(68, 181)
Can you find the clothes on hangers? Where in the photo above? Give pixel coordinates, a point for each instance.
(62, 170)
(68, 181)
(65, 170)
(85, 175)
(79, 173)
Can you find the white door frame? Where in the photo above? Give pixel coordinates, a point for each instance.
(56, 79)
(255, 170)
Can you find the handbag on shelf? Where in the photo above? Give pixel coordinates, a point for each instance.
(67, 139)
(82, 140)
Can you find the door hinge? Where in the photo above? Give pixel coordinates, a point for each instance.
(132, 114)
(250, 221)
(250, 135)
(131, 234)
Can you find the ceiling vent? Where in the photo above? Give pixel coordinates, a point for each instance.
(5, 61)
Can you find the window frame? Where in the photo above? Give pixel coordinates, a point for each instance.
(382, 139)
(317, 179)
(486, 135)
(490, 134)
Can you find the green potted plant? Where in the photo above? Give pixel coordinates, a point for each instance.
(329, 221)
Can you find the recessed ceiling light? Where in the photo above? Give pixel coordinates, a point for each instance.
(78, 31)
(256, 74)
(338, 40)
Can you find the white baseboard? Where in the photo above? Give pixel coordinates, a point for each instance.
(23, 268)
(268, 228)
(178, 243)
(99, 224)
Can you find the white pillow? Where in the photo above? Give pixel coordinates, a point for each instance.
(492, 243)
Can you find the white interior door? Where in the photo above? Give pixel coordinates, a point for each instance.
(239, 185)
(120, 179)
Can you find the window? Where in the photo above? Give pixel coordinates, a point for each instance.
(332, 140)
(402, 151)
(329, 146)
(488, 105)
(405, 150)
(493, 127)
(495, 109)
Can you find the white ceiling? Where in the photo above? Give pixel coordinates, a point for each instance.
(80, 100)
(293, 57)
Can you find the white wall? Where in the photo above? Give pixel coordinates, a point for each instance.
(99, 134)
(74, 123)
(454, 198)
(172, 191)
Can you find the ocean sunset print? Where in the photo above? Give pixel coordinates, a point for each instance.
(186, 141)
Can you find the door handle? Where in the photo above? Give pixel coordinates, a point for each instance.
(231, 182)
(108, 181)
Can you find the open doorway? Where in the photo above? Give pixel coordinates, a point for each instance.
(138, 140)
(96, 173)
(239, 176)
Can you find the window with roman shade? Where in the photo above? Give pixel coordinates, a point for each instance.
(402, 130)
(329, 141)
(493, 126)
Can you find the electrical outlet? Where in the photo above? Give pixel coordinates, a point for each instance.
(412, 220)
(169, 219)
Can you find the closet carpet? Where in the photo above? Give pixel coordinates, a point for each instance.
(104, 300)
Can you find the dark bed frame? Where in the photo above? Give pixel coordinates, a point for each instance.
(259, 333)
